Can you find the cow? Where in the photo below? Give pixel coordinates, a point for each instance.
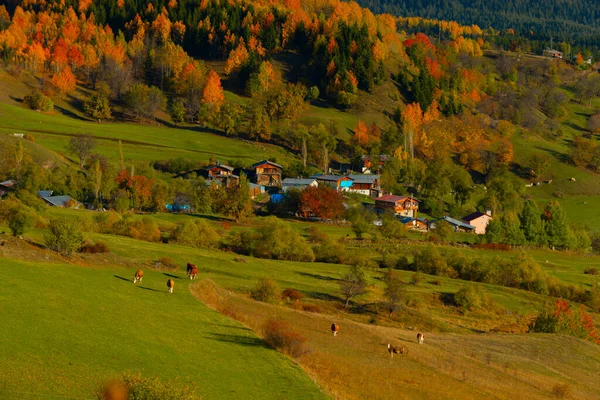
(420, 338)
(137, 278)
(402, 350)
(190, 266)
(335, 328)
(170, 285)
(193, 272)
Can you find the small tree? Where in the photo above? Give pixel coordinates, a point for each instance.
(266, 290)
(444, 230)
(37, 101)
(353, 284)
(177, 110)
(64, 236)
(393, 292)
(98, 107)
(20, 219)
(82, 146)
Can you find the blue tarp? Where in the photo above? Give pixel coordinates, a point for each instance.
(277, 198)
(178, 207)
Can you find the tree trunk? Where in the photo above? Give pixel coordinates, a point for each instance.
(304, 151)
(347, 302)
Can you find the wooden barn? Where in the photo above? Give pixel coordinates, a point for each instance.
(266, 173)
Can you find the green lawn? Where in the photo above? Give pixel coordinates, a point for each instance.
(140, 142)
(66, 328)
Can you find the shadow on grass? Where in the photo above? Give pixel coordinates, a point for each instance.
(322, 296)
(238, 339)
(242, 328)
(121, 278)
(171, 276)
(150, 289)
(317, 276)
(224, 273)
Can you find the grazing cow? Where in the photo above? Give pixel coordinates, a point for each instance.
(193, 272)
(170, 285)
(420, 338)
(402, 350)
(190, 266)
(137, 278)
(335, 328)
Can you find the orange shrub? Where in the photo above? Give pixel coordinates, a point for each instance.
(279, 335)
(291, 294)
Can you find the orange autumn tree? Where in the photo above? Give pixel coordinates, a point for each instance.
(213, 95)
(64, 81)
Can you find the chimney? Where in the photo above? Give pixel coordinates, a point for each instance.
(488, 212)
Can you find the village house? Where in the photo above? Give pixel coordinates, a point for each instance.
(365, 184)
(219, 172)
(7, 186)
(266, 173)
(256, 190)
(62, 201)
(479, 221)
(297, 183)
(457, 225)
(338, 182)
(399, 205)
(553, 53)
(370, 163)
(419, 224)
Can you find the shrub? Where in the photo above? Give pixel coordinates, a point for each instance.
(274, 239)
(416, 278)
(329, 251)
(314, 236)
(559, 317)
(431, 261)
(591, 271)
(37, 101)
(291, 295)
(167, 262)
(469, 298)
(135, 387)
(265, 290)
(196, 233)
(94, 248)
(63, 236)
(311, 308)
(436, 282)
(140, 229)
(561, 391)
(279, 335)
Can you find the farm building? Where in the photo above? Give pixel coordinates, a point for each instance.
(7, 186)
(365, 184)
(338, 182)
(370, 163)
(44, 193)
(459, 226)
(420, 224)
(553, 53)
(219, 172)
(62, 201)
(297, 183)
(266, 173)
(256, 190)
(479, 220)
(399, 205)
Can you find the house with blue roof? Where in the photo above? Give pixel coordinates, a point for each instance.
(62, 201)
(298, 183)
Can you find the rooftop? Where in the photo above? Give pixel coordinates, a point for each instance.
(362, 178)
(391, 198)
(474, 216)
(298, 181)
(253, 166)
(456, 222)
(330, 178)
(58, 201)
(219, 165)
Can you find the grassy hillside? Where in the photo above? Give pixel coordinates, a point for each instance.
(67, 328)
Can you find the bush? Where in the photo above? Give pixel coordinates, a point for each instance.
(135, 387)
(37, 101)
(330, 251)
(274, 239)
(140, 229)
(431, 261)
(278, 334)
(590, 271)
(167, 262)
(265, 290)
(436, 282)
(561, 391)
(470, 298)
(94, 248)
(559, 317)
(291, 295)
(196, 233)
(64, 236)
(416, 278)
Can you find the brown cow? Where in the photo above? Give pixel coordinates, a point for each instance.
(193, 273)
(170, 285)
(402, 350)
(335, 328)
(137, 278)
(190, 266)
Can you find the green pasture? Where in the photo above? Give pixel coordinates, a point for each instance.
(67, 328)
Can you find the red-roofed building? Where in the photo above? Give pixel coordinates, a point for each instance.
(399, 205)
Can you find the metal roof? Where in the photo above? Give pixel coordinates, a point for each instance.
(8, 184)
(265, 162)
(456, 222)
(227, 167)
(363, 178)
(58, 201)
(298, 181)
(330, 178)
(475, 215)
(45, 193)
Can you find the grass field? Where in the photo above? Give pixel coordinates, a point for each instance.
(66, 328)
